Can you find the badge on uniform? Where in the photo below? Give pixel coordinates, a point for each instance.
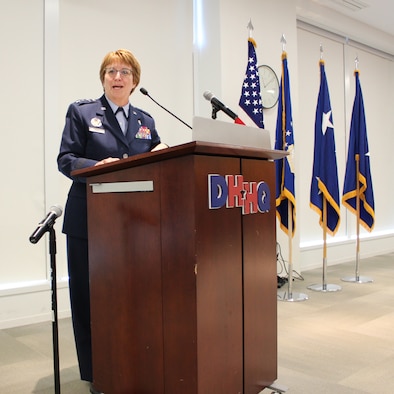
(96, 122)
(143, 133)
(97, 126)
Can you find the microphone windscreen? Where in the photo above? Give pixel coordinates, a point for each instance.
(144, 91)
(208, 95)
(56, 209)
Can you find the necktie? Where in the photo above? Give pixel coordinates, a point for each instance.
(122, 119)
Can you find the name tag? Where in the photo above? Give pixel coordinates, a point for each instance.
(96, 130)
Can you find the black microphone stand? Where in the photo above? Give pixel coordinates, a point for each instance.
(145, 92)
(47, 226)
(55, 331)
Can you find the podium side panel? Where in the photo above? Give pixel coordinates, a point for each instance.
(126, 289)
(260, 284)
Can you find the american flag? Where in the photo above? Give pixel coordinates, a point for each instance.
(250, 100)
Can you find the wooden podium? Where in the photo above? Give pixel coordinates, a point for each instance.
(183, 297)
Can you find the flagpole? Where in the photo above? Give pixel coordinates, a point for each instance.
(357, 278)
(324, 287)
(290, 240)
(290, 295)
(324, 280)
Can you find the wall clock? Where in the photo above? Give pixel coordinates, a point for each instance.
(269, 86)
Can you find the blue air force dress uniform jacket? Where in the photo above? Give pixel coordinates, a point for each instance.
(92, 133)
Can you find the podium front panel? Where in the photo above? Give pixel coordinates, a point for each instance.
(215, 264)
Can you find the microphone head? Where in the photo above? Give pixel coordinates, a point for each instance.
(208, 95)
(144, 91)
(56, 209)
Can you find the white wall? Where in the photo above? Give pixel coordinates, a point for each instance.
(70, 38)
(52, 55)
(23, 267)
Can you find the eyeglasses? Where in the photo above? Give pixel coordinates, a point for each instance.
(124, 72)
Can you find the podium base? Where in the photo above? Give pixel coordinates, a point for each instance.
(293, 297)
(357, 279)
(277, 389)
(325, 288)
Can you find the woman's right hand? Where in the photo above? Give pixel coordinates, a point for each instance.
(106, 161)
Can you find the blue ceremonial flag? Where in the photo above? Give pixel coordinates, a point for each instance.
(250, 100)
(324, 185)
(358, 179)
(285, 177)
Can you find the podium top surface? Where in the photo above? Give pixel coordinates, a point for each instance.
(194, 147)
(216, 131)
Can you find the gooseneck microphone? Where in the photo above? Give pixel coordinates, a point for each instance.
(54, 212)
(219, 106)
(145, 92)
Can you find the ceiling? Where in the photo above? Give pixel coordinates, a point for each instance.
(376, 13)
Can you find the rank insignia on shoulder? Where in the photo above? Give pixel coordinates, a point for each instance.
(84, 101)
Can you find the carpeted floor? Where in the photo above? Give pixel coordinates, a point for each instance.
(26, 360)
(333, 343)
(340, 342)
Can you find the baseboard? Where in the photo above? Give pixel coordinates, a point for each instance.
(342, 251)
(30, 303)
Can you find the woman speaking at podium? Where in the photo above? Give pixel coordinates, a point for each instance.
(97, 132)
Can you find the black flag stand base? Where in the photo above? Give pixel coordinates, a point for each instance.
(55, 331)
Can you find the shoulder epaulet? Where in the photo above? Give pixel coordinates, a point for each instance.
(84, 101)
